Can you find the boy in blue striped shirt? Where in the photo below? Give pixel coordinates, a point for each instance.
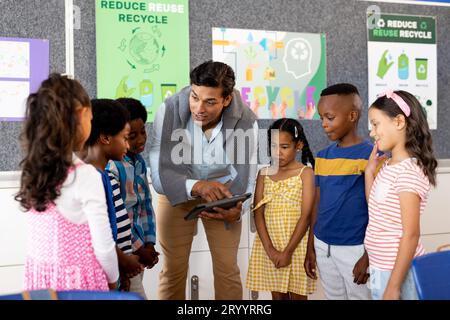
(131, 173)
(109, 141)
(340, 217)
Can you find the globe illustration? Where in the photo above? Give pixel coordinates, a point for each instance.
(144, 48)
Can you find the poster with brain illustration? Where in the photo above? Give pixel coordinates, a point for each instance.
(142, 50)
(279, 74)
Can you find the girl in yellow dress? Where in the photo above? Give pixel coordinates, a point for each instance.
(283, 201)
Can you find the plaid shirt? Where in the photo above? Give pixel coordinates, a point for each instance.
(131, 173)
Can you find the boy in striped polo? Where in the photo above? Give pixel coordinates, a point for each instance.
(340, 217)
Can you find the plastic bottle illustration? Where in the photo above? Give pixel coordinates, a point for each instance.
(403, 66)
(146, 92)
(248, 74)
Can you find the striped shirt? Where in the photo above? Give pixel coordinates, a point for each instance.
(122, 219)
(131, 173)
(385, 229)
(342, 214)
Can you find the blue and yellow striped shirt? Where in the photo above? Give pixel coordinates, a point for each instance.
(342, 215)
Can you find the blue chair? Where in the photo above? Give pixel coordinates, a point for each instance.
(72, 295)
(431, 274)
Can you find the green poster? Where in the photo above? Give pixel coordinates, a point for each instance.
(142, 50)
(402, 55)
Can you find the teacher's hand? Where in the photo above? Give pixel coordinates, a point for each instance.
(229, 215)
(210, 190)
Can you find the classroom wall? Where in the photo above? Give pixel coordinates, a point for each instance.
(42, 19)
(343, 21)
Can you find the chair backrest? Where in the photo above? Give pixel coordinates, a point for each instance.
(431, 274)
(100, 295)
(72, 295)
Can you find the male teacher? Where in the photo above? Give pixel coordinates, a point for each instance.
(203, 149)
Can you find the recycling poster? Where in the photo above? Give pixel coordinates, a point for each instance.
(279, 74)
(402, 56)
(142, 50)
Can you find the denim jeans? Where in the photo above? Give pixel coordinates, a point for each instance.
(380, 278)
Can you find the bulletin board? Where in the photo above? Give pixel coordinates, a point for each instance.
(342, 21)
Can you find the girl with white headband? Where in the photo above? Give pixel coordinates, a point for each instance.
(398, 193)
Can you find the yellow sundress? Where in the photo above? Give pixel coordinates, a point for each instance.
(283, 203)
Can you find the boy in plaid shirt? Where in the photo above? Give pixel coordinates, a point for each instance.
(131, 173)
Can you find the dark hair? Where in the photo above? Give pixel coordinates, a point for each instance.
(340, 89)
(295, 129)
(108, 117)
(216, 75)
(49, 138)
(135, 108)
(419, 142)
(345, 89)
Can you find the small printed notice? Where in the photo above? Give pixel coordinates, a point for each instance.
(24, 64)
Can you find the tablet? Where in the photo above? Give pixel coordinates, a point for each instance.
(224, 204)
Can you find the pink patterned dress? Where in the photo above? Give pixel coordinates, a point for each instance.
(60, 254)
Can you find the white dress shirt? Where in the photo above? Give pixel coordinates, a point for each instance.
(207, 168)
